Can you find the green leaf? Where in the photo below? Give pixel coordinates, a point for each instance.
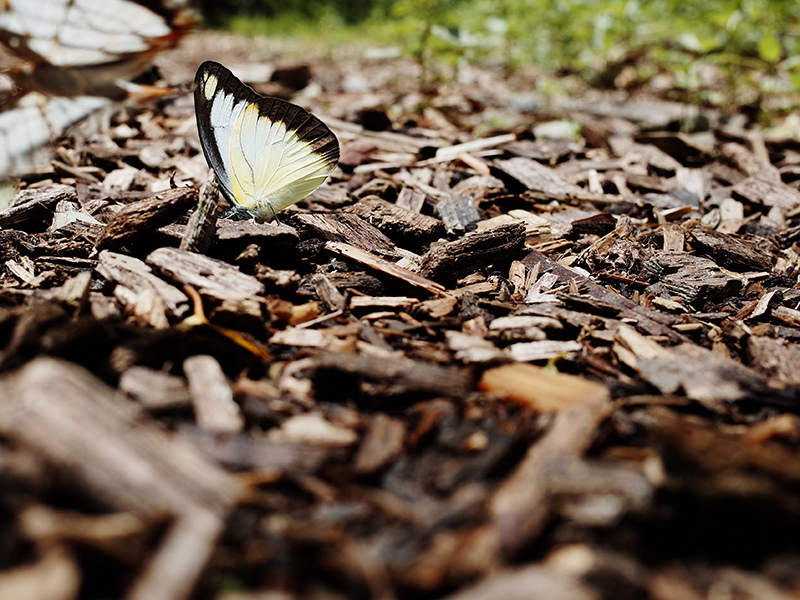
(794, 78)
(769, 48)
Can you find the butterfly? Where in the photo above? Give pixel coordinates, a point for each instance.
(64, 59)
(266, 153)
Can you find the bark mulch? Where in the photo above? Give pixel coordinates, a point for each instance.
(487, 359)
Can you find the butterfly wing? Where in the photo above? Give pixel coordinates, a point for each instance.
(82, 47)
(67, 58)
(267, 153)
(36, 119)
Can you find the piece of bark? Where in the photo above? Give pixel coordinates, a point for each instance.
(311, 338)
(757, 190)
(647, 320)
(84, 428)
(406, 228)
(709, 378)
(692, 278)
(731, 216)
(212, 397)
(749, 163)
(313, 429)
(74, 293)
(435, 308)
(737, 253)
(358, 281)
(479, 249)
(400, 376)
(790, 316)
(542, 350)
(263, 234)
(74, 419)
(349, 228)
(775, 358)
(522, 328)
(329, 196)
(457, 213)
(410, 199)
(599, 224)
(145, 216)
(327, 292)
(694, 181)
(384, 266)
(134, 275)
(403, 302)
(21, 272)
(525, 584)
(479, 186)
(674, 238)
(690, 149)
(154, 390)
(253, 452)
(54, 574)
(33, 208)
(521, 504)
(203, 272)
(447, 153)
(200, 229)
(539, 389)
(382, 443)
(471, 349)
(536, 177)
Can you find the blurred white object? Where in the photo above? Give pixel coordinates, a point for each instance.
(65, 59)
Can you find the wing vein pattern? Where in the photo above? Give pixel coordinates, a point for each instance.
(266, 153)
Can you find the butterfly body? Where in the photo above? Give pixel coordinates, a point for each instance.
(266, 153)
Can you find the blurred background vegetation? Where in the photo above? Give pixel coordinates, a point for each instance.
(720, 52)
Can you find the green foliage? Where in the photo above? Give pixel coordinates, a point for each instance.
(715, 50)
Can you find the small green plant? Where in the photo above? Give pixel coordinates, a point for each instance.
(718, 51)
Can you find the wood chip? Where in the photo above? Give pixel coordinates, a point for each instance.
(313, 429)
(382, 443)
(202, 272)
(452, 260)
(405, 227)
(402, 375)
(200, 229)
(457, 213)
(540, 389)
(211, 395)
(768, 193)
(143, 217)
(383, 266)
(155, 390)
(349, 228)
(32, 208)
(85, 429)
(520, 506)
(136, 276)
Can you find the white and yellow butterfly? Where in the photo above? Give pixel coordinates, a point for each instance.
(266, 153)
(64, 59)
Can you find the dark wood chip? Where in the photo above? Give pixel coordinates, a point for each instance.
(140, 218)
(449, 261)
(349, 228)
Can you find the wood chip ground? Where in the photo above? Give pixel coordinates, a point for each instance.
(475, 364)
